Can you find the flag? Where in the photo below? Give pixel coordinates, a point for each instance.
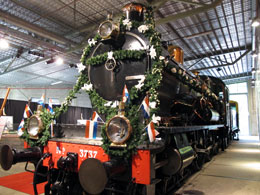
(91, 129)
(50, 106)
(126, 97)
(21, 128)
(27, 112)
(41, 101)
(96, 117)
(152, 133)
(145, 107)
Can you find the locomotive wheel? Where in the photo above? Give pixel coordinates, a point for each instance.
(198, 163)
(216, 149)
(208, 156)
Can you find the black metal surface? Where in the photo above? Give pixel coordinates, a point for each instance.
(92, 176)
(6, 157)
(9, 156)
(110, 84)
(69, 162)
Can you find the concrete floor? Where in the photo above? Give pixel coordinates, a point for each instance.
(235, 171)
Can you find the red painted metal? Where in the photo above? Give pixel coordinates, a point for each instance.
(84, 151)
(140, 161)
(25, 145)
(141, 167)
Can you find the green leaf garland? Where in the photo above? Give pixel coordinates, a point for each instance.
(151, 84)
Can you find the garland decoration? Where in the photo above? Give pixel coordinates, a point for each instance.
(118, 55)
(147, 85)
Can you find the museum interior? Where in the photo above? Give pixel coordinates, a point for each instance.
(144, 97)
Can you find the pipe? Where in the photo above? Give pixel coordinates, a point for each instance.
(46, 155)
(3, 105)
(188, 13)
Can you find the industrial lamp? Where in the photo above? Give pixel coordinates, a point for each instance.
(4, 43)
(255, 22)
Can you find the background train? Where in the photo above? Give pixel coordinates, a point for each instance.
(159, 122)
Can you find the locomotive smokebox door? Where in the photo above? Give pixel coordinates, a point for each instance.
(109, 78)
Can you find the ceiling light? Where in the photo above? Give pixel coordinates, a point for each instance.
(50, 61)
(56, 83)
(4, 44)
(59, 61)
(36, 53)
(255, 22)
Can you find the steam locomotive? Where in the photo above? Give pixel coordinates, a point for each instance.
(167, 123)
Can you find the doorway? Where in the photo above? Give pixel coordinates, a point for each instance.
(242, 101)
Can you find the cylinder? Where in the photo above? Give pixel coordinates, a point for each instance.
(9, 156)
(94, 175)
(214, 115)
(178, 159)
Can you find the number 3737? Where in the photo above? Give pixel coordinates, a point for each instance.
(87, 153)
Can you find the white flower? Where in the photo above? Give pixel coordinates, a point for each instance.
(80, 67)
(110, 55)
(155, 119)
(140, 83)
(87, 87)
(20, 132)
(92, 42)
(161, 58)
(108, 103)
(152, 104)
(143, 28)
(152, 52)
(127, 23)
(112, 104)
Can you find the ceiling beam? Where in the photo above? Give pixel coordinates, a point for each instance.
(45, 15)
(68, 51)
(46, 77)
(190, 2)
(236, 76)
(156, 4)
(191, 12)
(223, 65)
(30, 39)
(32, 28)
(8, 66)
(216, 53)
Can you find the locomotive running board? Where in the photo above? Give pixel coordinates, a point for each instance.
(190, 128)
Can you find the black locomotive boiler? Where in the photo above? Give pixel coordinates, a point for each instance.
(160, 121)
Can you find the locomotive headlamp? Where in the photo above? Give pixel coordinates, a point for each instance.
(108, 30)
(118, 129)
(35, 125)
